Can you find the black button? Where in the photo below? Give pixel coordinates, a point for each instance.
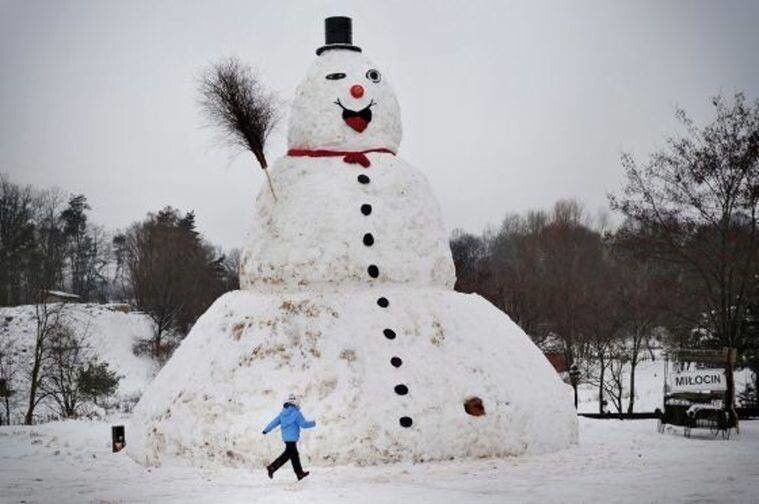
(366, 209)
(368, 239)
(383, 302)
(373, 271)
(396, 361)
(401, 389)
(389, 333)
(363, 179)
(406, 421)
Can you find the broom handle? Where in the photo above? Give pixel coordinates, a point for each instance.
(261, 158)
(271, 186)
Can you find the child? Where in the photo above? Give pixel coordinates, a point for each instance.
(290, 421)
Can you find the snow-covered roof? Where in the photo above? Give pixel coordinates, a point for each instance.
(62, 294)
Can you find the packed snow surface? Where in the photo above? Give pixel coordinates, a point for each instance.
(616, 461)
(316, 117)
(232, 372)
(313, 235)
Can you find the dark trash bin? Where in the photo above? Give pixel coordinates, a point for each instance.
(117, 438)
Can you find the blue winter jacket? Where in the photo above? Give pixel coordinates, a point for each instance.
(290, 421)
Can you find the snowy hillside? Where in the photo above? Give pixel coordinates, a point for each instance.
(109, 331)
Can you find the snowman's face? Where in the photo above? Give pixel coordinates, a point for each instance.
(345, 103)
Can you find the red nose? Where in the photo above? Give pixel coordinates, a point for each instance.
(357, 91)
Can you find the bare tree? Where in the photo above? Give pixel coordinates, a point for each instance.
(595, 366)
(572, 255)
(614, 384)
(694, 205)
(174, 273)
(122, 287)
(641, 296)
(8, 371)
(48, 261)
(17, 239)
(234, 100)
(540, 269)
(603, 319)
(606, 371)
(469, 252)
(155, 265)
(73, 373)
(48, 317)
(87, 251)
(230, 267)
(509, 272)
(65, 354)
(99, 258)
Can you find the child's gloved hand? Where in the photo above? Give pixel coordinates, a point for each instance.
(263, 432)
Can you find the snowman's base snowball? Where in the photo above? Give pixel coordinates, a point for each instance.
(362, 372)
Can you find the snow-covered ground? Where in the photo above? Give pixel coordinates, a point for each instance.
(616, 461)
(649, 387)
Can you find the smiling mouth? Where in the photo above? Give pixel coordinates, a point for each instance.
(357, 120)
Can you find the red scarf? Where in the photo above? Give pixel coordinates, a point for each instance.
(348, 156)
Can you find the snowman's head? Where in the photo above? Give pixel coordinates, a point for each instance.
(344, 103)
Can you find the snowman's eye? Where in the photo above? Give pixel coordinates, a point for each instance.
(336, 76)
(373, 75)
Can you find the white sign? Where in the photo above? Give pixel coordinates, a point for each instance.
(697, 380)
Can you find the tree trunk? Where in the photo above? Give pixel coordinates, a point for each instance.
(34, 382)
(631, 403)
(730, 392)
(620, 398)
(602, 375)
(7, 410)
(157, 342)
(29, 417)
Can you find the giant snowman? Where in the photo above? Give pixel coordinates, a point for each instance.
(347, 302)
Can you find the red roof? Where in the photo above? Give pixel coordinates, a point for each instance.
(557, 361)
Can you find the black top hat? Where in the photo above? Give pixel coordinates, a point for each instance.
(338, 34)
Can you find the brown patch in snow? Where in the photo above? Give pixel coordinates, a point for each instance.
(326, 387)
(304, 307)
(278, 352)
(307, 308)
(234, 457)
(237, 330)
(438, 333)
(348, 355)
(311, 343)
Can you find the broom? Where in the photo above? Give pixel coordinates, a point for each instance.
(238, 105)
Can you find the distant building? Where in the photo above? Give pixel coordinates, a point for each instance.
(558, 361)
(53, 296)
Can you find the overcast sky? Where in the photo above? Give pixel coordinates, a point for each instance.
(507, 106)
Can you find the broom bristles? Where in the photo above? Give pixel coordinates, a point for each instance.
(241, 109)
